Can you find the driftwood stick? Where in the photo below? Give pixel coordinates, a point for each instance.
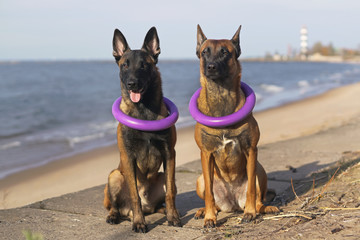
(292, 186)
(335, 209)
(327, 184)
(287, 215)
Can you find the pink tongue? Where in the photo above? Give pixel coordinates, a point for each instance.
(135, 97)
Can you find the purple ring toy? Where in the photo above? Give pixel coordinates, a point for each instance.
(225, 120)
(146, 125)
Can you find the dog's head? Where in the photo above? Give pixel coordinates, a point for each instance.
(137, 67)
(217, 57)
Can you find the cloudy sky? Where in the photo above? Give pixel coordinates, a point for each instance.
(83, 29)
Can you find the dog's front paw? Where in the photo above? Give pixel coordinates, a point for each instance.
(200, 213)
(113, 218)
(210, 223)
(139, 227)
(173, 218)
(248, 217)
(175, 222)
(271, 209)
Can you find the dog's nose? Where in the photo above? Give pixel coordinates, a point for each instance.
(132, 85)
(211, 66)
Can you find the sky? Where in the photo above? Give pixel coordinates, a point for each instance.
(83, 29)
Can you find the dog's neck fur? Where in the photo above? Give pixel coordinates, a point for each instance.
(220, 98)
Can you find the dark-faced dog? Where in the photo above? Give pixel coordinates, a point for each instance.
(136, 187)
(232, 178)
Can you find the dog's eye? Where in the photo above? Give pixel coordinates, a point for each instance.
(224, 51)
(125, 65)
(205, 51)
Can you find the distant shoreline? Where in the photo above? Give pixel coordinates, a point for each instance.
(325, 59)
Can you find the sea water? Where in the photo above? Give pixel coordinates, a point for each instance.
(49, 110)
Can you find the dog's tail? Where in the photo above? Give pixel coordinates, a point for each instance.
(107, 203)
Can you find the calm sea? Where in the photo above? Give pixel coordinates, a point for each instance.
(49, 110)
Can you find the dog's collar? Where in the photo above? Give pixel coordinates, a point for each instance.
(146, 125)
(225, 120)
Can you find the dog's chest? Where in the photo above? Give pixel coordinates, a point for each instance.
(228, 147)
(147, 149)
(227, 144)
(220, 143)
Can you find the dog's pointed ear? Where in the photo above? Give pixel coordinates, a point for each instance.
(200, 40)
(120, 45)
(236, 42)
(152, 44)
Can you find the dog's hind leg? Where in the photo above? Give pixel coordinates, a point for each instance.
(107, 202)
(261, 189)
(114, 200)
(200, 190)
(152, 194)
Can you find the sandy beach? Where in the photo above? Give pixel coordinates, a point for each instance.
(331, 109)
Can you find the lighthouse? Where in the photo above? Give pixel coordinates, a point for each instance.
(303, 43)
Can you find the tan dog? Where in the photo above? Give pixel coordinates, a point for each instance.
(232, 177)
